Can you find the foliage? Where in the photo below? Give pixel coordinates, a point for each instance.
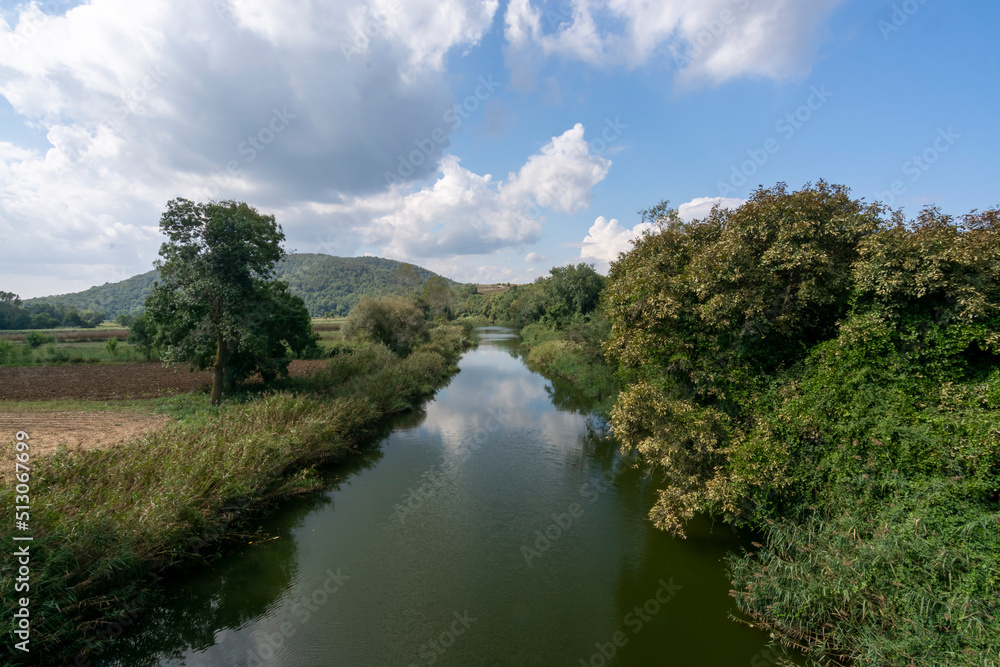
(393, 321)
(218, 304)
(326, 284)
(438, 297)
(567, 293)
(142, 334)
(34, 340)
(806, 367)
(108, 522)
(575, 353)
(15, 314)
(336, 284)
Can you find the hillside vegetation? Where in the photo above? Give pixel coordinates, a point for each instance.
(325, 283)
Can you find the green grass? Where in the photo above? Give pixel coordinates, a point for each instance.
(574, 355)
(107, 523)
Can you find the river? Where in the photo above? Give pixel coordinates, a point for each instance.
(498, 526)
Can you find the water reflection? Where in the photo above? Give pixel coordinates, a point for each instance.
(500, 526)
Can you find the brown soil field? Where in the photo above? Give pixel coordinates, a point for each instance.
(112, 381)
(77, 431)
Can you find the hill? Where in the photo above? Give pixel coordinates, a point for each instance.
(325, 283)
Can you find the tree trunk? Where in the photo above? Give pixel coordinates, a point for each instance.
(220, 352)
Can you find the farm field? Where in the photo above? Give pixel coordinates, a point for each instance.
(111, 381)
(77, 430)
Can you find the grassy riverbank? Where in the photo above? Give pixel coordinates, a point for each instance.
(574, 354)
(107, 522)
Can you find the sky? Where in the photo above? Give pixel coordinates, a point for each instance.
(488, 141)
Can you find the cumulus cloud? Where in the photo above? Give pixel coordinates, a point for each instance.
(285, 103)
(606, 239)
(703, 40)
(464, 213)
(700, 207)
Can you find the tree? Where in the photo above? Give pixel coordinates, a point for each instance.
(408, 275)
(142, 333)
(571, 291)
(11, 315)
(392, 320)
(437, 294)
(218, 304)
(703, 312)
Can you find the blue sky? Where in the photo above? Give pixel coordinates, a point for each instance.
(339, 118)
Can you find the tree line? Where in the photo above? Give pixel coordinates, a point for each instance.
(15, 314)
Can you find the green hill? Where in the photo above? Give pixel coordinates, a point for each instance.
(325, 283)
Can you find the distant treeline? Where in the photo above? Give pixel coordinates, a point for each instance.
(14, 314)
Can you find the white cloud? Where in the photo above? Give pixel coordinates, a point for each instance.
(464, 213)
(704, 40)
(534, 258)
(700, 207)
(288, 103)
(606, 239)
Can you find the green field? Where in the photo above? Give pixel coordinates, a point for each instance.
(75, 345)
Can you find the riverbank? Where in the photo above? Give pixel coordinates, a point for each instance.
(574, 354)
(105, 524)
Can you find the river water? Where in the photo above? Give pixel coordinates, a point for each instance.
(499, 526)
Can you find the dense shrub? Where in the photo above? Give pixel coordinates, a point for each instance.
(829, 377)
(393, 321)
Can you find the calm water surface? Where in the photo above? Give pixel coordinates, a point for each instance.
(497, 527)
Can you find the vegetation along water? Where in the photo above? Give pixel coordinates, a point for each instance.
(767, 435)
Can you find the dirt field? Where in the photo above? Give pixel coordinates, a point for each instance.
(111, 381)
(78, 431)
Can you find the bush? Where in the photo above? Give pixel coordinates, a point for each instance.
(35, 340)
(55, 355)
(8, 351)
(393, 321)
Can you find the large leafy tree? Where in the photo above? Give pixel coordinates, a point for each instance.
(218, 304)
(703, 312)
